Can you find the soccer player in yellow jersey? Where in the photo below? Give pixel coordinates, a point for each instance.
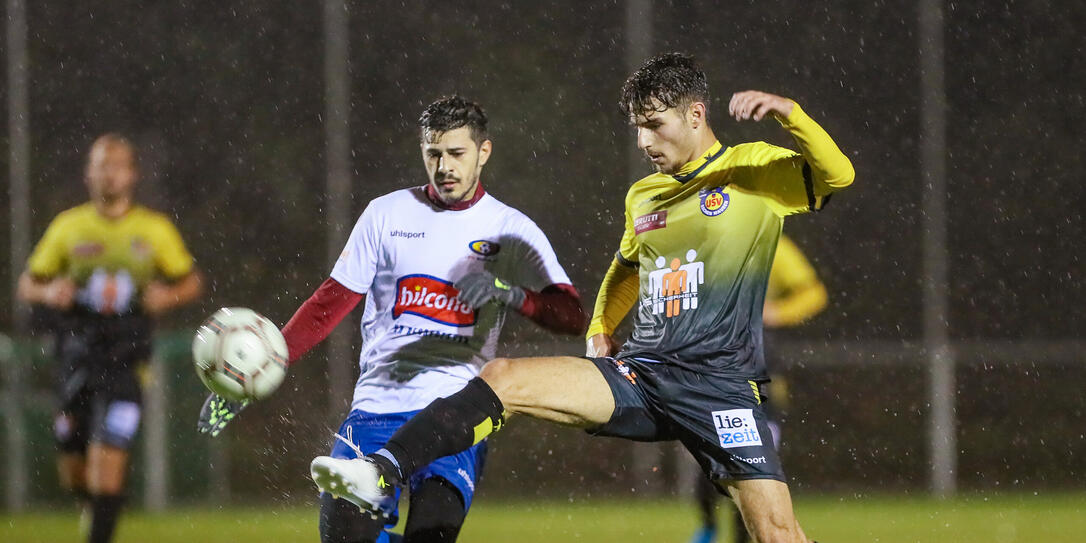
(694, 260)
(107, 267)
(794, 295)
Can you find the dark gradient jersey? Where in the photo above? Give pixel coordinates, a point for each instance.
(703, 241)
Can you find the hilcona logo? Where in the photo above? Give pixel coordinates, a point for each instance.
(432, 299)
(674, 287)
(736, 428)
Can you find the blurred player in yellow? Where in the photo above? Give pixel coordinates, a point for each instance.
(107, 268)
(794, 295)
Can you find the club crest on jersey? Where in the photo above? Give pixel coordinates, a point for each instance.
(140, 248)
(432, 299)
(673, 288)
(714, 201)
(484, 247)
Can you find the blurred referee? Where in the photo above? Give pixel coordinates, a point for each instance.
(107, 268)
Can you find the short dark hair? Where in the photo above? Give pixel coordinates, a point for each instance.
(673, 79)
(450, 113)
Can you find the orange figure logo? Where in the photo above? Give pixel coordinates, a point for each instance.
(674, 289)
(674, 284)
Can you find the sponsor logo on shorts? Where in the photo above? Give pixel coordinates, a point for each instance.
(467, 478)
(122, 419)
(755, 460)
(625, 371)
(714, 201)
(433, 299)
(484, 247)
(736, 428)
(650, 221)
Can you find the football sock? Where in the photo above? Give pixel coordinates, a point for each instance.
(445, 427)
(104, 513)
(342, 522)
(436, 514)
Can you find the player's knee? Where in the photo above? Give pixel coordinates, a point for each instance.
(499, 374)
(505, 378)
(777, 529)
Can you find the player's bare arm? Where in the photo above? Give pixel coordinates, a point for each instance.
(58, 293)
(160, 297)
(756, 105)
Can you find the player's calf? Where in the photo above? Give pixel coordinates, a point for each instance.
(445, 427)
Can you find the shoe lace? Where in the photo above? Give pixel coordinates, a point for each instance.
(349, 441)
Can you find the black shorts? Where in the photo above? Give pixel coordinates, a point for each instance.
(98, 416)
(98, 387)
(721, 420)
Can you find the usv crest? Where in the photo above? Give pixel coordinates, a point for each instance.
(714, 201)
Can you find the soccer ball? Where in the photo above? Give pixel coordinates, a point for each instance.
(239, 354)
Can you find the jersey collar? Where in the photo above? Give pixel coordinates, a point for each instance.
(431, 195)
(691, 169)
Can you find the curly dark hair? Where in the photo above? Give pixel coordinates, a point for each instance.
(450, 113)
(673, 79)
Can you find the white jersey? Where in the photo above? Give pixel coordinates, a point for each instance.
(420, 342)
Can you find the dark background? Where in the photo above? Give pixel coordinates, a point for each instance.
(225, 101)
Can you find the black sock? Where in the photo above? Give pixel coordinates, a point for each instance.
(104, 513)
(707, 497)
(342, 522)
(436, 514)
(446, 426)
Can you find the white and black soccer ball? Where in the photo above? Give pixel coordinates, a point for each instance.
(239, 354)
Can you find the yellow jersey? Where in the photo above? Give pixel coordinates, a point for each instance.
(110, 260)
(703, 242)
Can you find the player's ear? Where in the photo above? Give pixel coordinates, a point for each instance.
(696, 114)
(484, 151)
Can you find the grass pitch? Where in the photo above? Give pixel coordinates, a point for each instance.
(1052, 518)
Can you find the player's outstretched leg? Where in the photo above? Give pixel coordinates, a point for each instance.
(445, 427)
(566, 390)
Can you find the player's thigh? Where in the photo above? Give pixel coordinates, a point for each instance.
(106, 468)
(563, 389)
(71, 469)
(767, 511)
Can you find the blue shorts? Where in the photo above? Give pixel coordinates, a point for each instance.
(370, 432)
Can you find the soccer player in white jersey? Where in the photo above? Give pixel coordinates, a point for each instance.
(438, 267)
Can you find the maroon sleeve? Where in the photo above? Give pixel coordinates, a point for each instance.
(556, 308)
(318, 316)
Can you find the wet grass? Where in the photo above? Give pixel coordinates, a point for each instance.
(1052, 518)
